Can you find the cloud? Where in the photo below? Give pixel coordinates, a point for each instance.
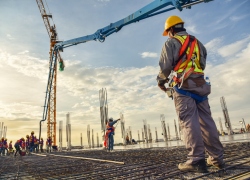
(192, 29)
(10, 37)
(230, 12)
(233, 48)
(237, 18)
(148, 54)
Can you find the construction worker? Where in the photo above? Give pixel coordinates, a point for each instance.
(17, 146)
(248, 128)
(110, 133)
(49, 142)
(184, 55)
(32, 145)
(41, 145)
(2, 151)
(27, 144)
(10, 148)
(6, 146)
(36, 144)
(127, 139)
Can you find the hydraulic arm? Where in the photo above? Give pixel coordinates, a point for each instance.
(152, 9)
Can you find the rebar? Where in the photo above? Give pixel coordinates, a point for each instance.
(163, 126)
(226, 115)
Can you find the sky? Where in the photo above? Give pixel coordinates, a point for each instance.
(126, 64)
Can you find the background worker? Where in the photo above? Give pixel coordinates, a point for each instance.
(41, 145)
(35, 144)
(2, 146)
(17, 147)
(127, 139)
(28, 144)
(200, 132)
(10, 147)
(111, 133)
(6, 146)
(32, 141)
(49, 140)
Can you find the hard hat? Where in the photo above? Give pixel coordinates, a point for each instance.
(2, 137)
(10, 141)
(111, 118)
(22, 138)
(32, 132)
(170, 22)
(5, 139)
(35, 136)
(27, 136)
(41, 138)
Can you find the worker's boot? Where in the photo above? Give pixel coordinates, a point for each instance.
(217, 165)
(200, 167)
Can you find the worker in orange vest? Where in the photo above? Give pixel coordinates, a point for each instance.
(110, 134)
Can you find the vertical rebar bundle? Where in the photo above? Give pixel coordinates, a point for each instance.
(149, 134)
(163, 126)
(88, 135)
(60, 135)
(226, 115)
(81, 140)
(168, 132)
(142, 136)
(97, 140)
(93, 144)
(138, 136)
(130, 134)
(123, 128)
(1, 129)
(176, 131)
(221, 127)
(103, 98)
(145, 130)
(68, 131)
(156, 135)
(5, 132)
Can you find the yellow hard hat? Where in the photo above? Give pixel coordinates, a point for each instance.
(41, 138)
(170, 22)
(35, 136)
(27, 135)
(10, 141)
(22, 138)
(2, 137)
(5, 139)
(32, 132)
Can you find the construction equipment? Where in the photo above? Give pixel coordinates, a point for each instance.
(152, 9)
(51, 29)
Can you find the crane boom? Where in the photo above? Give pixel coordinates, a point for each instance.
(152, 9)
(51, 125)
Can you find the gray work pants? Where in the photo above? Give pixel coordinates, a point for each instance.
(199, 129)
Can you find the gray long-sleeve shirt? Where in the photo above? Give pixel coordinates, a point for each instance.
(170, 55)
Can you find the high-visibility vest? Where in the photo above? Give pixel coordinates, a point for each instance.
(195, 56)
(110, 128)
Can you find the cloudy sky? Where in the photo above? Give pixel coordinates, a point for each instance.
(126, 63)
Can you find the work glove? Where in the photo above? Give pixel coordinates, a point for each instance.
(162, 85)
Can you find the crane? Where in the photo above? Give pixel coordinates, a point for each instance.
(154, 8)
(51, 125)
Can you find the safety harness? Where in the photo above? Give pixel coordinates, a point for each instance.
(185, 69)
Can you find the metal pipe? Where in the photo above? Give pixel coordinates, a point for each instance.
(193, 3)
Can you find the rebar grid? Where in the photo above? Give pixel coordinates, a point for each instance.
(152, 163)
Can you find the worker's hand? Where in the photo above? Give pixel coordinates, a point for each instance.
(118, 119)
(162, 85)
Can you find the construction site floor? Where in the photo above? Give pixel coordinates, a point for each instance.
(148, 163)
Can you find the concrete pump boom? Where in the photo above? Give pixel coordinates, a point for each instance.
(152, 9)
